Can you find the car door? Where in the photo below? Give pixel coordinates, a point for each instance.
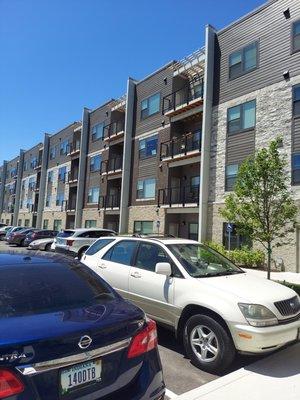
(114, 266)
(152, 292)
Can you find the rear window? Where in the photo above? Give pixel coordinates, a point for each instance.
(65, 233)
(96, 234)
(37, 289)
(100, 244)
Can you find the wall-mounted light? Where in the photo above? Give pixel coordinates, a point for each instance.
(106, 113)
(165, 80)
(163, 122)
(287, 13)
(286, 75)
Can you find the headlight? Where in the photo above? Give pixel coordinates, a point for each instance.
(258, 315)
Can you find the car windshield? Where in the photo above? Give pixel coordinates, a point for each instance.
(201, 261)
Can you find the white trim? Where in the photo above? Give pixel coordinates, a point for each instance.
(171, 394)
(150, 133)
(97, 152)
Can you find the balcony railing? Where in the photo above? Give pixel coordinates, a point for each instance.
(72, 176)
(184, 96)
(113, 130)
(109, 201)
(71, 204)
(32, 208)
(182, 145)
(112, 165)
(180, 196)
(73, 147)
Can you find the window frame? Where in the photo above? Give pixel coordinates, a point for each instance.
(242, 50)
(295, 101)
(293, 36)
(294, 182)
(92, 164)
(141, 222)
(63, 147)
(88, 195)
(143, 117)
(111, 248)
(60, 177)
(137, 189)
(226, 177)
(152, 137)
(242, 118)
(93, 135)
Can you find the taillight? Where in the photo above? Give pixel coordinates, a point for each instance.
(9, 384)
(70, 242)
(144, 341)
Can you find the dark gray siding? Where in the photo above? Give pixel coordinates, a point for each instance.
(273, 32)
(239, 147)
(101, 114)
(296, 135)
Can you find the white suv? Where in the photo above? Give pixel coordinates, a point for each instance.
(74, 242)
(214, 306)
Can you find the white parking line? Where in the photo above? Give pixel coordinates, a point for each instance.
(170, 394)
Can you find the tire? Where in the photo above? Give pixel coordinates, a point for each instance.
(212, 349)
(48, 247)
(22, 243)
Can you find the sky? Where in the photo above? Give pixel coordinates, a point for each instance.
(58, 56)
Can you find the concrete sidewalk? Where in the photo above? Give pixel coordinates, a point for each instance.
(291, 277)
(275, 377)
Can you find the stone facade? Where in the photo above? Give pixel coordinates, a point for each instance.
(93, 214)
(147, 213)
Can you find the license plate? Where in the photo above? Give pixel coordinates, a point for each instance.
(80, 374)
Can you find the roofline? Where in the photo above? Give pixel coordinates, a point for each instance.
(246, 16)
(156, 71)
(102, 105)
(33, 147)
(66, 127)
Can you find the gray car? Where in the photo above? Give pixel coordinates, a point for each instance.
(41, 244)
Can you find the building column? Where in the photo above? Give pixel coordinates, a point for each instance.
(18, 188)
(84, 139)
(43, 181)
(2, 187)
(126, 168)
(210, 34)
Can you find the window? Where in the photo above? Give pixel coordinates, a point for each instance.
(93, 195)
(150, 106)
(122, 252)
(62, 172)
(243, 61)
(31, 183)
(60, 197)
(90, 223)
(231, 175)
(57, 225)
(241, 117)
(296, 169)
(149, 255)
(296, 101)
(25, 167)
(195, 182)
(296, 36)
(146, 189)
(236, 240)
(52, 152)
(19, 222)
(95, 163)
(34, 162)
(98, 131)
(193, 231)
(45, 224)
(97, 246)
(63, 148)
(48, 200)
(148, 147)
(144, 227)
(50, 176)
(26, 222)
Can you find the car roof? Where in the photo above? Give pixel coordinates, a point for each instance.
(20, 258)
(87, 230)
(160, 239)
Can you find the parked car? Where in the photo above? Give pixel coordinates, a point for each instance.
(39, 234)
(2, 224)
(65, 333)
(13, 230)
(19, 237)
(41, 244)
(216, 308)
(74, 242)
(3, 231)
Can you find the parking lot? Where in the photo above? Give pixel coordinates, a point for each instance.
(180, 375)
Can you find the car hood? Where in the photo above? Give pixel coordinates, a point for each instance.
(248, 288)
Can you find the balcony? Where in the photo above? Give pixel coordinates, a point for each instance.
(185, 146)
(187, 97)
(114, 130)
(185, 196)
(111, 166)
(109, 202)
(37, 164)
(73, 148)
(71, 204)
(32, 208)
(72, 177)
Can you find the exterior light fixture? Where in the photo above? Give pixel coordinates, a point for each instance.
(287, 13)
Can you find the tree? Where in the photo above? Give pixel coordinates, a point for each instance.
(261, 204)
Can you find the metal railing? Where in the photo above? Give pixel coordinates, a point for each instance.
(113, 129)
(72, 176)
(71, 204)
(178, 195)
(112, 165)
(189, 92)
(181, 145)
(73, 147)
(109, 201)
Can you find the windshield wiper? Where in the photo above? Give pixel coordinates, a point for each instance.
(212, 274)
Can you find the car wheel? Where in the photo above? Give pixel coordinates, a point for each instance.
(22, 243)
(208, 344)
(48, 247)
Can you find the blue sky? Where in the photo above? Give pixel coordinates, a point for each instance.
(58, 56)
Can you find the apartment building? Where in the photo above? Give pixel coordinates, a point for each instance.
(162, 158)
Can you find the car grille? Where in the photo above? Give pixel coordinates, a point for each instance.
(288, 307)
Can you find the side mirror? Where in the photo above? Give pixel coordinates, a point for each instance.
(163, 268)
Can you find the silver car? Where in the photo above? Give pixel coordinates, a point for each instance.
(41, 244)
(75, 242)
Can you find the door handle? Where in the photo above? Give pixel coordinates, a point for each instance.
(103, 266)
(136, 275)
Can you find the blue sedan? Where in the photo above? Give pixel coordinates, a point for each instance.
(66, 334)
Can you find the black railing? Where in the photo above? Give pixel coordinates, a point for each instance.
(71, 204)
(112, 165)
(113, 129)
(178, 195)
(32, 208)
(109, 201)
(73, 147)
(72, 176)
(191, 91)
(181, 145)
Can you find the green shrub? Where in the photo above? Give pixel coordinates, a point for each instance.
(291, 286)
(243, 257)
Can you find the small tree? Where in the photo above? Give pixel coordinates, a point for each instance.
(261, 205)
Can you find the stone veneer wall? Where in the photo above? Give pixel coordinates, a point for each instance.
(273, 118)
(147, 213)
(93, 214)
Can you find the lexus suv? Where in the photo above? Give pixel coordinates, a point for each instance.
(215, 307)
(65, 334)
